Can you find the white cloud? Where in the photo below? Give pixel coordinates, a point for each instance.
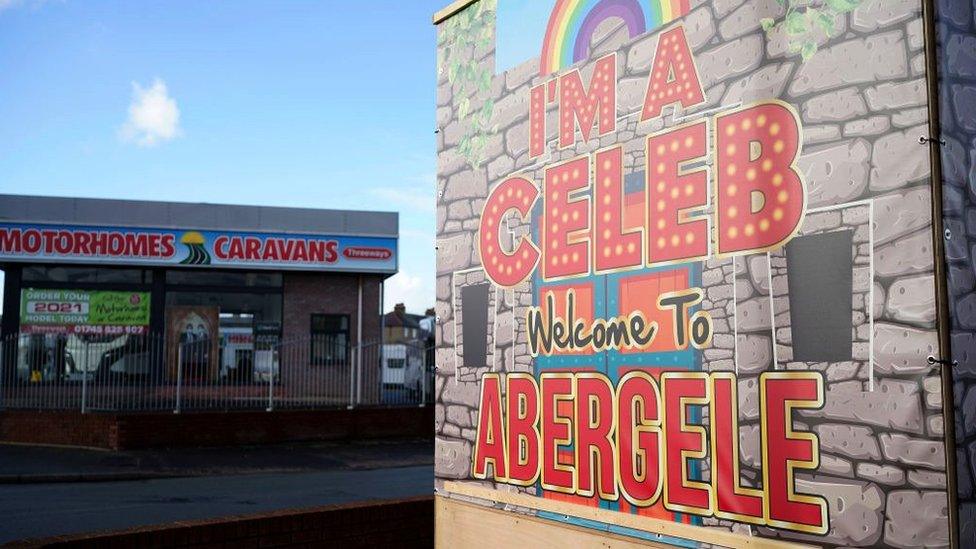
(410, 290)
(153, 115)
(30, 4)
(10, 4)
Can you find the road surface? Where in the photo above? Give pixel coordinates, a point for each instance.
(41, 510)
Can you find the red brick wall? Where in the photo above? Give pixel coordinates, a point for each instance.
(167, 430)
(396, 523)
(306, 294)
(57, 427)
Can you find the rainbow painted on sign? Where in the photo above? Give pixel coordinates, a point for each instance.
(573, 22)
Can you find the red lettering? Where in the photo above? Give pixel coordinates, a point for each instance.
(522, 399)
(136, 245)
(48, 237)
(761, 197)
(639, 435)
(578, 106)
(732, 500)
(566, 219)
(99, 243)
(595, 426)
(64, 243)
(219, 247)
(537, 114)
(252, 250)
(684, 441)
(236, 250)
(503, 268)
(316, 251)
(271, 250)
(154, 244)
(674, 233)
(556, 429)
(785, 450)
(10, 241)
(116, 244)
(490, 444)
(168, 246)
(82, 244)
(301, 252)
(615, 245)
(31, 241)
(287, 248)
(674, 76)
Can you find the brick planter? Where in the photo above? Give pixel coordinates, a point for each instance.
(167, 430)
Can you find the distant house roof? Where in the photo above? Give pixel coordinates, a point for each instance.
(406, 320)
(399, 317)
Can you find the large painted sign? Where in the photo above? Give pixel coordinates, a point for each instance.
(685, 267)
(152, 246)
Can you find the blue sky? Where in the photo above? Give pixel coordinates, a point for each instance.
(326, 104)
(521, 28)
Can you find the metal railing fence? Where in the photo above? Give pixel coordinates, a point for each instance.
(145, 372)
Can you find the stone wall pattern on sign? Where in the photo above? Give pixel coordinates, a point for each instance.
(861, 101)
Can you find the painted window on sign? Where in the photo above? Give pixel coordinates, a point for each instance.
(474, 310)
(820, 277)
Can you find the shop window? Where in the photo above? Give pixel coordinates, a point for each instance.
(265, 307)
(192, 277)
(820, 275)
(329, 340)
(72, 357)
(248, 329)
(85, 275)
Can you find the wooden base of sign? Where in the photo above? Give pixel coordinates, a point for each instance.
(477, 523)
(461, 524)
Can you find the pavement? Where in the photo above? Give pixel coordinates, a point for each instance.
(48, 491)
(33, 464)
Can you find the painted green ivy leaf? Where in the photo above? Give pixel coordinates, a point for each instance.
(807, 22)
(796, 24)
(807, 50)
(826, 23)
(452, 73)
(487, 109)
(462, 41)
(843, 6)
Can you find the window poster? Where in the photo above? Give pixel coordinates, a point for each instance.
(84, 312)
(193, 342)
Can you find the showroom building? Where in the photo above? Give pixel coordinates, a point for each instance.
(230, 285)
